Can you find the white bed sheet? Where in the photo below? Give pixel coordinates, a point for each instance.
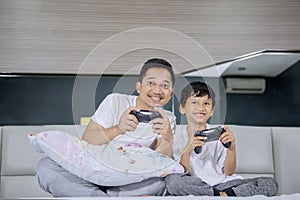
(295, 196)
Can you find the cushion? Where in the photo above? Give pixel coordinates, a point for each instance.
(254, 149)
(18, 156)
(27, 187)
(111, 164)
(287, 159)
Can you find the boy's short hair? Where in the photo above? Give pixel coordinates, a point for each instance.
(156, 62)
(197, 89)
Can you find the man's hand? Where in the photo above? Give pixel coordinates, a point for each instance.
(162, 126)
(127, 121)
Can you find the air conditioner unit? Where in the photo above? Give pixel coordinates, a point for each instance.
(245, 85)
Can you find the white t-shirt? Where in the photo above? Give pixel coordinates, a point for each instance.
(207, 165)
(110, 111)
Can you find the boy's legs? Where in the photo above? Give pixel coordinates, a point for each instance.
(249, 187)
(59, 182)
(184, 184)
(150, 187)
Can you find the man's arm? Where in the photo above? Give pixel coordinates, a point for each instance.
(164, 147)
(162, 126)
(98, 135)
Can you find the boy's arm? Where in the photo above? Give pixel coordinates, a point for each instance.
(185, 160)
(230, 159)
(190, 146)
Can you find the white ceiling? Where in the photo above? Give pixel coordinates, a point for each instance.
(262, 64)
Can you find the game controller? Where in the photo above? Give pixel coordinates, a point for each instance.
(145, 115)
(212, 134)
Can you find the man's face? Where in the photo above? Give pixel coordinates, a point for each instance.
(156, 88)
(197, 109)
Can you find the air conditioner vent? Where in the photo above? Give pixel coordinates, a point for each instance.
(245, 85)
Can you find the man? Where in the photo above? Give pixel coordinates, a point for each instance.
(112, 121)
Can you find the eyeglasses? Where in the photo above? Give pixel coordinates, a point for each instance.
(165, 86)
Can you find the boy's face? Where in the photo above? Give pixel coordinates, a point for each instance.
(156, 88)
(197, 109)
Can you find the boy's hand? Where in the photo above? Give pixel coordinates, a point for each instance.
(127, 121)
(227, 136)
(162, 126)
(194, 141)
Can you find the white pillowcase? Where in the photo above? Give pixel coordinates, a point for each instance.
(112, 164)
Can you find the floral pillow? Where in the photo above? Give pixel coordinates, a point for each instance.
(110, 164)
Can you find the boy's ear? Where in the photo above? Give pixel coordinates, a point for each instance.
(181, 109)
(138, 86)
(212, 112)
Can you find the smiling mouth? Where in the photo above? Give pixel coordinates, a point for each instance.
(200, 115)
(155, 99)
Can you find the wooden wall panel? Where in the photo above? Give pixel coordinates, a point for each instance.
(55, 36)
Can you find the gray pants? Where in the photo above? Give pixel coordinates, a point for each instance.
(59, 182)
(185, 184)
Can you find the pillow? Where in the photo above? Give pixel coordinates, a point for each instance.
(111, 164)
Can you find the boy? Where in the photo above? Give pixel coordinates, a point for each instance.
(112, 121)
(210, 172)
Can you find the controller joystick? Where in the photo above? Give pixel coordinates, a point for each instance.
(145, 116)
(212, 134)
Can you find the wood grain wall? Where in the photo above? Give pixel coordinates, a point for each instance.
(58, 36)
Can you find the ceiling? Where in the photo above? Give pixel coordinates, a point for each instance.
(266, 63)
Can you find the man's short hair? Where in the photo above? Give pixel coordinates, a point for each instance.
(197, 89)
(159, 63)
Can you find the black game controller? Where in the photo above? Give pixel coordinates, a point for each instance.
(212, 134)
(145, 115)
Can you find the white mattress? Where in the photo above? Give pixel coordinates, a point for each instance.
(258, 197)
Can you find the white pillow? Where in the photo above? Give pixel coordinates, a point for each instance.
(112, 164)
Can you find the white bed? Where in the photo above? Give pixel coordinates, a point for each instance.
(281, 197)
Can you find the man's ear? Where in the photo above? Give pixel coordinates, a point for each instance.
(172, 91)
(181, 109)
(138, 87)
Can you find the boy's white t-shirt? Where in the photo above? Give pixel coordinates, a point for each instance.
(207, 165)
(110, 111)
